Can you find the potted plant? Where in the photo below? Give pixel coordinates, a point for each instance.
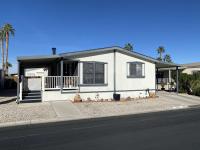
(162, 86)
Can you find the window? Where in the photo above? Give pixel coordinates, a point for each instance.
(93, 73)
(136, 70)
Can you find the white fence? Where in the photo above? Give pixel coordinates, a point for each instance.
(54, 82)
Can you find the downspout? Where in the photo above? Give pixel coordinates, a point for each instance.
(155, 78)
(114, 72)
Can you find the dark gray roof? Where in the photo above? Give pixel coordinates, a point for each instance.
(83, 53)
(38, 57)
(76, 54)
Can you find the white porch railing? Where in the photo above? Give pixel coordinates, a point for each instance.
(162, 80)
(54, 82)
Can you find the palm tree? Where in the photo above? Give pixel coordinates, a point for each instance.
(9, 65)
(128, 47)
(2, 39)
(160, 51)
(160, 59)
(8, 29)
(167, 58)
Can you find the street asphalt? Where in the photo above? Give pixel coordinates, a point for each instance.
(171, 130)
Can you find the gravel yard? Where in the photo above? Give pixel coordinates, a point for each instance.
(165, 101)
(100, 109)
(13, 112)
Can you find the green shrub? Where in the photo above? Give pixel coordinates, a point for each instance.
(184, 83)
(189, 83)
(195, 86)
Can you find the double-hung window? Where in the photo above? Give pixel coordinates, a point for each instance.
(93, 73)
(136, 70)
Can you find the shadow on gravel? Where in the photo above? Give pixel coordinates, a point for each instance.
(7, 95)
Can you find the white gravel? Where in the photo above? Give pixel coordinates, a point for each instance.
(12, 112)
(100, 109)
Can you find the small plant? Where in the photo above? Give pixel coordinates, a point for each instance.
(89, 99)
(162, 86)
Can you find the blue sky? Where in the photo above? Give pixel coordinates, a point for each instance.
(83, 24)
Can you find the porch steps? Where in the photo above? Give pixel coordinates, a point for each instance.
(31, 96)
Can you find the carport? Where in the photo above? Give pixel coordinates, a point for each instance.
(160, 65)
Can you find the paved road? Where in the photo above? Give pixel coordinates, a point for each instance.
(164, 130)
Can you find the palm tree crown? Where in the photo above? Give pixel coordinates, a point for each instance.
(128, 47)
(8, 29)
(167, 58)
(160, 51)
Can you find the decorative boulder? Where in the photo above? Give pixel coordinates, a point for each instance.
(77, 98)
(152, 95)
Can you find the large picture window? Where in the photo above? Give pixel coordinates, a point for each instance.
(136, 70)
(93, 73)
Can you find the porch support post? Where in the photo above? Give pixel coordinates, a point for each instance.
(18, 82)
(61, 75)
(177, 73)
(169, 79)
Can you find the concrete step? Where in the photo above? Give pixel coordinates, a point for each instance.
(32, 97)
(30, 100)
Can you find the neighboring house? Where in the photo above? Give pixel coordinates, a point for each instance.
(165, 75)
(191, 68)
(94, 74)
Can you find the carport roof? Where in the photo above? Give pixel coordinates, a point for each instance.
(161, 64)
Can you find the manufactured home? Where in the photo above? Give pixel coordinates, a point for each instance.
(93, 74)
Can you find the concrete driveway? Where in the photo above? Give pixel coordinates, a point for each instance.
(181, 99)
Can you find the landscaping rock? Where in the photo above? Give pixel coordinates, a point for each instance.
(77, 98)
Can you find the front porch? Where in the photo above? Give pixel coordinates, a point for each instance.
(36, 76)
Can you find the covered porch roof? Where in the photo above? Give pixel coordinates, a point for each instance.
(161, 64)
(38, 59)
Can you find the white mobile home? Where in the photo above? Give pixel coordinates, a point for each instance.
(94, 74)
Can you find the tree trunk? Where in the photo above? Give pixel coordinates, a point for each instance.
(7, 42)
(160, 55)
(3, 66)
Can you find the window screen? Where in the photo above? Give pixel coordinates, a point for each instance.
(93, 73)
(136, 69)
